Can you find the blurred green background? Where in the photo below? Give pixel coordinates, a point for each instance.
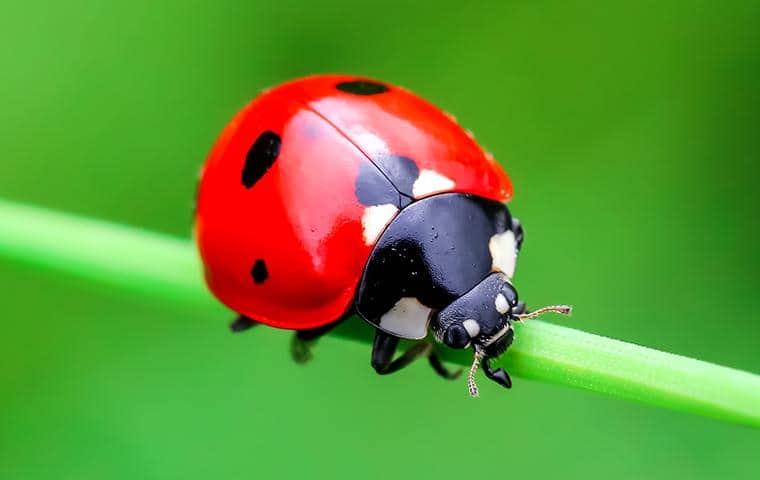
(631, 133)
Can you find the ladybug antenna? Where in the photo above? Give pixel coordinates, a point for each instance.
(480, 354)
(563, 309)
(471, 385)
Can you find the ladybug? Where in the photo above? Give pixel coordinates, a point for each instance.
(336, 195)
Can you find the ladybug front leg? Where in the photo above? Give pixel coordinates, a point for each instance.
(384, 347)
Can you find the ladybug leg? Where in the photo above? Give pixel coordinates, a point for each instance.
(499, 375)
(384, 347)
(242, 323)
(303, 340)
(440, 368)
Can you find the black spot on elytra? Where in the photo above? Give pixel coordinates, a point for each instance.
(362, 87)
(389, 179)
(259, 271)
(260, 157)
(373, 188)
(401, 171)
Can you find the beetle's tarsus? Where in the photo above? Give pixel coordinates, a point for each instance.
(242, 323)
(300, 349)
(499, 375)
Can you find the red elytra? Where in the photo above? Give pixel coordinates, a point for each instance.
(300, 223)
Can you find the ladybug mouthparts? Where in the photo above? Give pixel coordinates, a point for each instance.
(503, 339)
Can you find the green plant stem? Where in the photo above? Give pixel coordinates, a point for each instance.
(165, 267)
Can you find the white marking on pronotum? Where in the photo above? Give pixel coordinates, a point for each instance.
(375, 219)
(407, 319)
(503, 249)
(472, 327)
(501, 303)
(429, 182)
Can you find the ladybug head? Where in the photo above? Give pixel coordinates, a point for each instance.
(482, 318)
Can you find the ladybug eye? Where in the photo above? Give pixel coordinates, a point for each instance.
(509, 293)
(456, 336)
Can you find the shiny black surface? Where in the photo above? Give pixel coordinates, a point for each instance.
(435, 250)
(362, 87)
(260, 157)
(389, 179)
(478, 304)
